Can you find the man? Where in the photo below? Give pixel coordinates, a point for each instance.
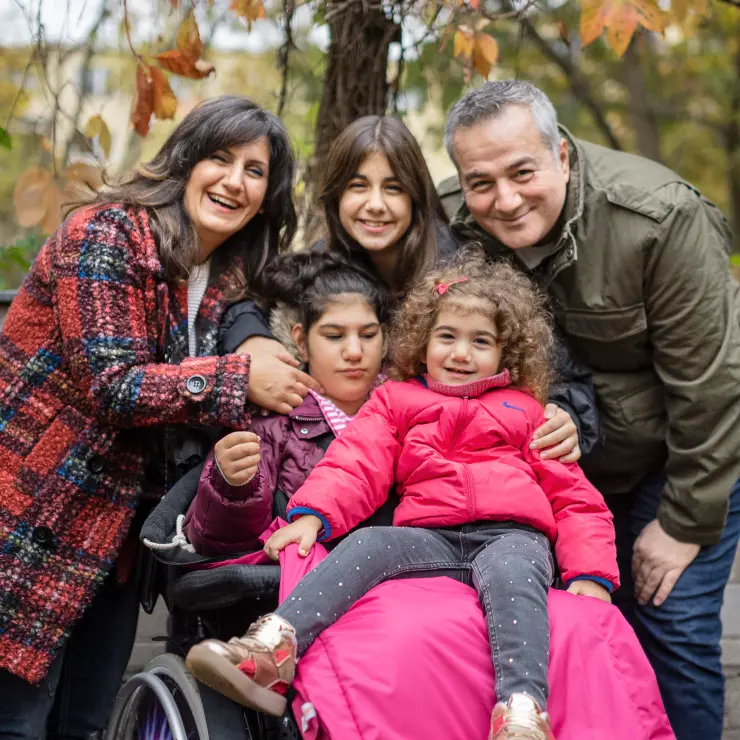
(635, 263)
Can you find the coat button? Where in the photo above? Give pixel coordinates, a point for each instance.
(195, 384)
(304, 430)
(43, 536)
(569, 252)
(96, 464)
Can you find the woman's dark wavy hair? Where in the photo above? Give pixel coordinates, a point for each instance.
(159, 186)
(309, 281)
(389, 136)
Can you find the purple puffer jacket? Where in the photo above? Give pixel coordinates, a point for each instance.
(225, 519)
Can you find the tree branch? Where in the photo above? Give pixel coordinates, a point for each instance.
(284, 53)
(577, 82)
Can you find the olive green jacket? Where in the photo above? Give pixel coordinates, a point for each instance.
(640, 286)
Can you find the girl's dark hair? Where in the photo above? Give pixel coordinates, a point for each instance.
(159, 186)
(388, 136)
(308, 281)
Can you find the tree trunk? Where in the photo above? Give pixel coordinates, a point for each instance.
(355, 83)
(642, 115)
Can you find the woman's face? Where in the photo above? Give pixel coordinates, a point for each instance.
(226, 191)
(373, 209)
(344, 350)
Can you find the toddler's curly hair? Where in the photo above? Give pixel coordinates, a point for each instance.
(515, 305)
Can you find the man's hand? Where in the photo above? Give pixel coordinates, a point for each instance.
(585, 587)
(557, 437)
(303, 530)
(238, 456)
(657, 563)
(275, 383)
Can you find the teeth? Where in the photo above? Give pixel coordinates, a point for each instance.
(222, 202)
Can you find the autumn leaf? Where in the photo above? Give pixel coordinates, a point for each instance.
(97, 128)
(175, 4)
(53, 213)
(594, 17)
(176, 62)
(621, 29)
(5, 141)
(464, 42)
(188, 38)
(144, 101)
(165, 102)
(29, 196)
(485, 53)
(248, 10)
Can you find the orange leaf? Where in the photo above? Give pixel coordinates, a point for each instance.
(144, 101)
(164, 100)
(87, 174)
(650, 15)
(176, 62)
(595, 14)
(175, 4)
(621, 29)
(487, 47)
(28, 196)
(464, 42)
(188, 38)
(248, 10)
(473, 4)
(53, 213)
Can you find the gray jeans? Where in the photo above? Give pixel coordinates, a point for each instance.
(509, 565)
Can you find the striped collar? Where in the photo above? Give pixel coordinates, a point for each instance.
(335, 417)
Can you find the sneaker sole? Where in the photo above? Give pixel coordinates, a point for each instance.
(222, 676)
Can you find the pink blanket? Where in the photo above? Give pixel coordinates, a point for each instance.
(410, 661)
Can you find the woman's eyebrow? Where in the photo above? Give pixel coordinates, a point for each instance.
(372, 325)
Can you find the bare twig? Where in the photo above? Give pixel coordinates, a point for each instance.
(284, 53)
(127, 28)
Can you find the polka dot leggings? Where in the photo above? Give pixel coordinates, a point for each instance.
(510, 567)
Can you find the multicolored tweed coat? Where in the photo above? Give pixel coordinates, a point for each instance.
(81, 368)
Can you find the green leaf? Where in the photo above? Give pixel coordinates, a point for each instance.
(5, 140)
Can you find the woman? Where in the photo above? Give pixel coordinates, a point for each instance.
(114, 331)
(381, 209)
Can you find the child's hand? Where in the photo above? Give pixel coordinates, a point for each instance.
(237, 456)
(590, 588)
(303, 530)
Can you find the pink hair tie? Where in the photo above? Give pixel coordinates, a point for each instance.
(441, 287)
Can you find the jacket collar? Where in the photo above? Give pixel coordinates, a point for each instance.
(468, 390)
(467, 227)
(309, 409)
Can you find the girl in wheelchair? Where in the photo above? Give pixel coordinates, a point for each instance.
(470, 349)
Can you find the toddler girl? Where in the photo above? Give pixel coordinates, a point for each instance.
(339, 334)
(471, 346)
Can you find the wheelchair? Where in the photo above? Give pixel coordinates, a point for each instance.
(165, 702)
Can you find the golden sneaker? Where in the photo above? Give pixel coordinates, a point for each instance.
(520, 719)
(255, 670)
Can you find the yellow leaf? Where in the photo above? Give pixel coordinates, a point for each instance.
(622, 26)
(188, 38)
(248, 10)
(680, 9)
(464, 42)
(28, 196)
(594, 17)
(165, 102)
(96, 127)
(649, 15)
(487, 47)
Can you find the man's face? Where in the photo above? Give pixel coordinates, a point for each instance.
(514, 186)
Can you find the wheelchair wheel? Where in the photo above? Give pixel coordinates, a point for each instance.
(164, 702)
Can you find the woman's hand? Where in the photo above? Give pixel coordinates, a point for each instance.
(557, 437)
(237, 457)
(275, 382)
(303, 530)
(590, 588)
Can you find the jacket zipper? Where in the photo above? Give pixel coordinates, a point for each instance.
(307, 418)
(468, 479)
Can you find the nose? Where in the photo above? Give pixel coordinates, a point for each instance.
(508, 199)
(352, 349)
(375, 202)
(234, 177)
(461, 351)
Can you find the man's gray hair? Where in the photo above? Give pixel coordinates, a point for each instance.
(489, 100)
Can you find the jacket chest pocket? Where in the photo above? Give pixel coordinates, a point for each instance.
(613, 340)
